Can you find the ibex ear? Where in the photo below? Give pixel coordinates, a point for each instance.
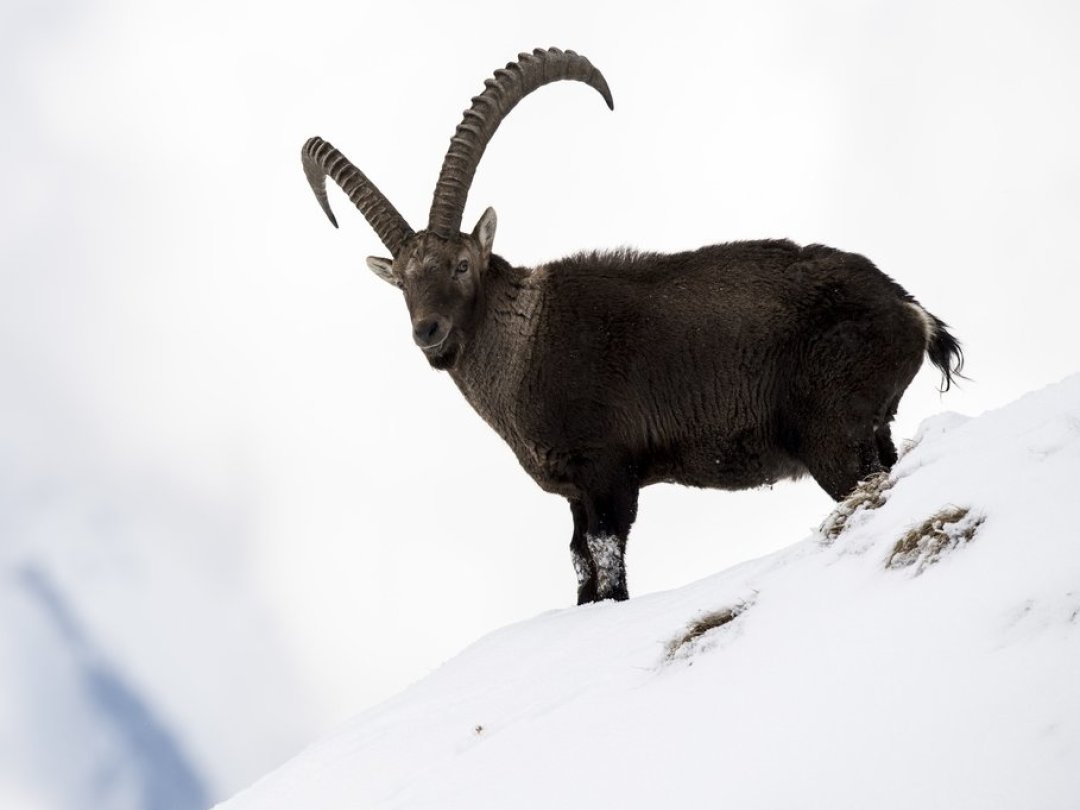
(484, 232)
(384, 269)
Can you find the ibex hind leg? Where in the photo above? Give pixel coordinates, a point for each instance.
(883, 436)
(839, 459)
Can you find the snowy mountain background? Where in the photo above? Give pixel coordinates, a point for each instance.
(212, 546)
(136, 659)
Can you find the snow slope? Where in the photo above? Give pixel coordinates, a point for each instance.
(855, 673)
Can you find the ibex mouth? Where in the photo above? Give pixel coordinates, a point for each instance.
(436, 346)
(442, 355)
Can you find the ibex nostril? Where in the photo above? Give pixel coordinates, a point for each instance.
(428, 332)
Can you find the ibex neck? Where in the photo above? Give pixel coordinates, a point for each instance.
(492, 365)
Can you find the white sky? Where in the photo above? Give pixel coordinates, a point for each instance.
(175, 309)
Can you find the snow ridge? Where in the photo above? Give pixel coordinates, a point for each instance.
(827, 675)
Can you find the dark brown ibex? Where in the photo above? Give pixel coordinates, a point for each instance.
(731, 366)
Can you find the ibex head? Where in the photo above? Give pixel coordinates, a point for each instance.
(442, 280)
(442, 270)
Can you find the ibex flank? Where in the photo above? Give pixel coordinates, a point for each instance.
(730, 366)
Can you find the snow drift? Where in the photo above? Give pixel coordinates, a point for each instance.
(922, 649)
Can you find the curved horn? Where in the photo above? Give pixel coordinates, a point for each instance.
(509, 86)
(321, 160)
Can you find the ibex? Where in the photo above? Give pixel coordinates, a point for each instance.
(731, 366)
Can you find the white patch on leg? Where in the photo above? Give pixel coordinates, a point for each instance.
(607, 555)
(582, 569)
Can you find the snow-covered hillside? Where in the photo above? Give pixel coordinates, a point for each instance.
(922, 649)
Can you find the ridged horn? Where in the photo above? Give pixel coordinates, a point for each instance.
(321, 160)
(509, 86)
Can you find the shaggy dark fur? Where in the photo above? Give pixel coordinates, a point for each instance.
(729, 367)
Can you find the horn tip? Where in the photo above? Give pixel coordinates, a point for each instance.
(605, 91)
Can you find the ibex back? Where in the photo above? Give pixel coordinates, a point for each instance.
(731, 366)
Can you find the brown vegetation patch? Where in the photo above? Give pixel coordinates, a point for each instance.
(868, 495)
(952, 527)
(688, 641)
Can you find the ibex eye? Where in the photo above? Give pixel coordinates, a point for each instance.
(462, 267)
